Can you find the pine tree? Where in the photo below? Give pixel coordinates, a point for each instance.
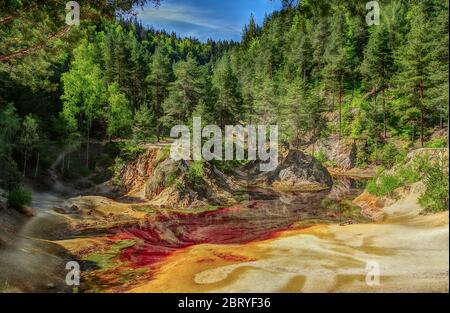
(336, 67)
(227, 110)
(250, 31)
(143, 125)
(301, 55)
(139, 72)
(185, 92)
(438, 69)
(265, 102)
(119, 116)
(29, 137)
(413, 60)
(378, 66)
(302, 118)
(319, 38)
(159, 79)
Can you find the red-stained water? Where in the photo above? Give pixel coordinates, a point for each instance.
(256, 220)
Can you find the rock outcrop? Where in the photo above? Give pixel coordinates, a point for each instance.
(135, 174)
(163, 182)
(296, 172)
(171, 186)
(340, 152)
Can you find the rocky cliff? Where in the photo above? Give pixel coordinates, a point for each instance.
(164, 182)
(342, 153)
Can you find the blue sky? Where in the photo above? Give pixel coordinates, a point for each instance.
(203, 19)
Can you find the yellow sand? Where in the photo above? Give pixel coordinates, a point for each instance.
(412, 254)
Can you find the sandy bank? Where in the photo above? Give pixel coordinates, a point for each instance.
(413, 256)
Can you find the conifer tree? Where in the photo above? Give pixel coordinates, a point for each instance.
(159, 79)
(185, 92)
(413, 60)
(227, 109)
(378, 66)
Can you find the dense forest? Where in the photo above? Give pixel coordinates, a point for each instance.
(315, 68)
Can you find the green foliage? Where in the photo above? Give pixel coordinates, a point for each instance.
(385, 185)
(10, 126)
(171, 180)
(436, 196)
(84, 89)
(159, 79)
(185, 92)
(195, 175)
(228, 166)
(321, 156)
(227, 109)
(387, 155)
(19, 197)
(409, 172)
(143, 126)
(311, 68)
(120, 116)
(437, 142)
(301, 116)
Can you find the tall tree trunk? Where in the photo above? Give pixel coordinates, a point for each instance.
(422, 117)
(37, 165)
(375, 98)
(87, 145)
(422, 141)
(340, 111)
(63, 164)
(314, 142)
(384, 113)
(25, 157)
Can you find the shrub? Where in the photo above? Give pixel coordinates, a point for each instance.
(128, 152)
(171, 180)
(388, 155)
(195, 175)
(228, 166)
(438, 142)
(161, 156)
(19, 197)
(321, 156)
(405, 174)
(436, 195)
(384, 185)
(408, 174)
(434, 173)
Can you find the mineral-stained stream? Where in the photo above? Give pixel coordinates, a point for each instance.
(139, 250)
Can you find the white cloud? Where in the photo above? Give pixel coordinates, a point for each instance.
(173, 13)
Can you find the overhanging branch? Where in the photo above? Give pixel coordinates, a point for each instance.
(27, 51)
